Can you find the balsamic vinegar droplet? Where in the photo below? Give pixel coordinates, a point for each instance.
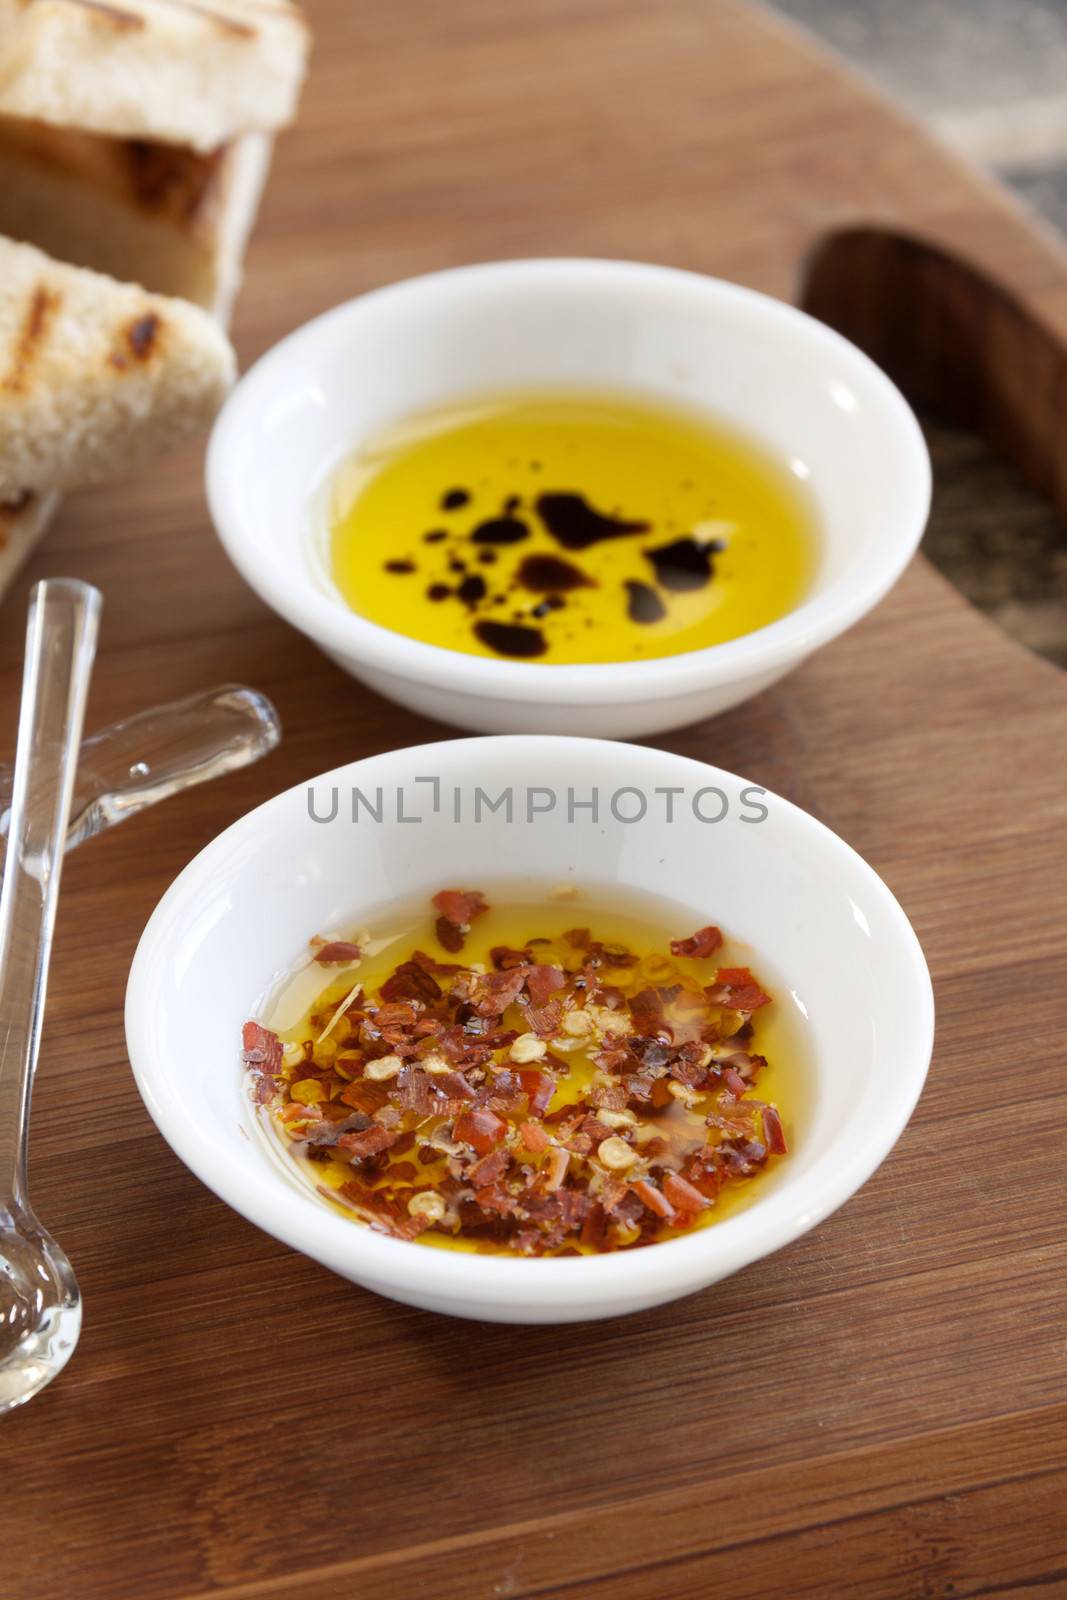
(572, 521)
(511, 639)
(500, 530)
(551, 574)
(643, 604)
(472, 589)
(684, 564)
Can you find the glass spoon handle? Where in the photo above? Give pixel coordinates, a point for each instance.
(148, 757)
(60, 647)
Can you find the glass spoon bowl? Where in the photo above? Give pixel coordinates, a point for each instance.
(59, 793)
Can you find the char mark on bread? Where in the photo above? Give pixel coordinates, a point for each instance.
(96, 376)
(139, 339)
(228, 24)
(141, 335)
(41, 308)
(191, 74)
(117, 16)
(174, 182)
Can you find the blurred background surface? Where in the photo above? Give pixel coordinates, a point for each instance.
(989, 78)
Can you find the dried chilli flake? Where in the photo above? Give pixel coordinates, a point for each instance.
(702, 943)
(570, 1097)
(339, 953)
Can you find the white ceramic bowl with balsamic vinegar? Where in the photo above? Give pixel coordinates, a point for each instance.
(784, 379)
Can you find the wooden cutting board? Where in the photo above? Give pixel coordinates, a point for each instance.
(878, 1410)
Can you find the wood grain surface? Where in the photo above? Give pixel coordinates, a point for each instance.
(879, 1410)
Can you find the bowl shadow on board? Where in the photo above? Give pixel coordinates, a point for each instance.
(503, 1351)
(329, 717)
(339, 719)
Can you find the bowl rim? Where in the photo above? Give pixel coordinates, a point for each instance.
(343, 632)
(589, 1285)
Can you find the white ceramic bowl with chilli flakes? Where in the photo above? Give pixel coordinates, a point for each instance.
(790, 383)
(835, 947)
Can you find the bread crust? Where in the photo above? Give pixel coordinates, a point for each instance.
(185, 72)
(172, 220)
(23, 521)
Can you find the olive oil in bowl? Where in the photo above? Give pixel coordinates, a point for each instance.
(656, 1092)
(568, 527)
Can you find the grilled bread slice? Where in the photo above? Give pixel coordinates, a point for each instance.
(174, 220)
(184, 72)
(96, 377)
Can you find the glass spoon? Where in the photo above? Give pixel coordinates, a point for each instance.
(40, 1307)
(123, 769)
(148, 757)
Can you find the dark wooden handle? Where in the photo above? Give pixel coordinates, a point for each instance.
(954, 339)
